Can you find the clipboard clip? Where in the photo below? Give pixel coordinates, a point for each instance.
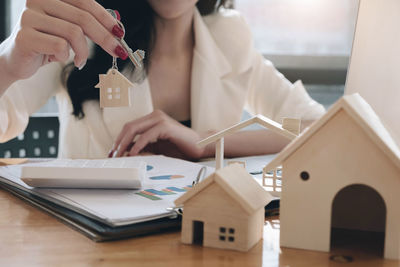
(200, 176)
(178, 210)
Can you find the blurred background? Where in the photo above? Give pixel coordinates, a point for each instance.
(309, 40)
(306, 39)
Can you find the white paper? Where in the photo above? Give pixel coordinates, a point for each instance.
(121, 207)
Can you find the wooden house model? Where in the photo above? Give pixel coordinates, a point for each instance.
(225, 210)
(114, 89)
(342, 173)
(289, 129)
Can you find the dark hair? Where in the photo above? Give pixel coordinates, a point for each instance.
(137, 17)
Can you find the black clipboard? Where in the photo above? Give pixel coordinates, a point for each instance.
(100, 232)
(93, 229)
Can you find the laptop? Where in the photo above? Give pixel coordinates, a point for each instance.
(374, 69)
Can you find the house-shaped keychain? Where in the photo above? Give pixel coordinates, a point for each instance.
(114, 89)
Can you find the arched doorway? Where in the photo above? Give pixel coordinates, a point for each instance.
(358, 221)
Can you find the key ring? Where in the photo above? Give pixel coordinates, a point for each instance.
(137, 56)
(112, 13)
(114, 66)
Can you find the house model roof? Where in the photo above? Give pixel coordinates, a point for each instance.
(113, 78)
(238, 183)
(362, 113)
(259, 119)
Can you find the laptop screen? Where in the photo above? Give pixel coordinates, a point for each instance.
(374, 70)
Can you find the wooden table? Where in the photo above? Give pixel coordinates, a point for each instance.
(30, 237)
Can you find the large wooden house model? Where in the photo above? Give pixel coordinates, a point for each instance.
(225, 210)
(342, 173)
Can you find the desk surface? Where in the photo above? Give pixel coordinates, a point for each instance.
(30, 237)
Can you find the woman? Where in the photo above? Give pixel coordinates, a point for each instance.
(201, 70)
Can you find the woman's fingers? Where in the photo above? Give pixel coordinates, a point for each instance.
(49, 28)
(96, 10)
(88, 23)
(42, 43)
(92, 19)
(61, 28)
(129, 133)
(136, 127)
(157, 128)
(125, 143)
(132, 129)
(146, 138)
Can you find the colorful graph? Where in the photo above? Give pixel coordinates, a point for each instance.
(154, 194)
(147, 195)
(166, 177)
(149, 167)
(176, 189)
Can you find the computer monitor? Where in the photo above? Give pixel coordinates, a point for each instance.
(374, 69)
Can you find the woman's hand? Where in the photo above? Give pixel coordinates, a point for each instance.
(49, 28)
(157, 132)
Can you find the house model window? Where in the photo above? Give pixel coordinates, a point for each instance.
(272, 180)
(227, 234)
(113, 93)
(114, 89)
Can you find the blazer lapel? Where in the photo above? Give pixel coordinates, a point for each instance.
(209, 66)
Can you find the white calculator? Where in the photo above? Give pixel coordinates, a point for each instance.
(118, 173)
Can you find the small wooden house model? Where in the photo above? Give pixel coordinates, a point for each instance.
(342, 173)
(114, 89)
(225, 210)
(289, 129)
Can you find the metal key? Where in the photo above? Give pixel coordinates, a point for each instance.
(137, 56)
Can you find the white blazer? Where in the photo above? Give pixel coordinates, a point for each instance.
(228, 76)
